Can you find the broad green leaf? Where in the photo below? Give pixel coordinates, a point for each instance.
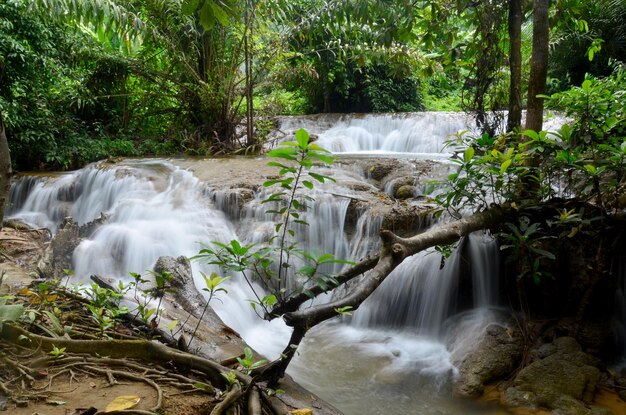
(322, 157)
(11, 312)
(302, 137)
(590, 168)
(505, 165)
(219, 13)
(469, 154)
(189, 7)
(207, 19)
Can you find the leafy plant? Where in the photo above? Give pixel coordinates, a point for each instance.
(273, 263)
(104, 307)
(248, 363)
(524, 240)
(56, 352)
(212, 283)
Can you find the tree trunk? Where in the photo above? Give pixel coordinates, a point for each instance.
(249, 87)
(5, 168)
(514, 120)
(538, 65)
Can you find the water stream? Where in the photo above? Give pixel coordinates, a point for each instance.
(391, 356)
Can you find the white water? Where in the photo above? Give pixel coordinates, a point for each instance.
(394, 345)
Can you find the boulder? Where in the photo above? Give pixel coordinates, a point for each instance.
(58, 255)
(406, 192)
(184, 292)
(497, 353)
(562, 378)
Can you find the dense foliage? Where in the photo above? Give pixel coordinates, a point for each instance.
(83, 80)
(51, 93)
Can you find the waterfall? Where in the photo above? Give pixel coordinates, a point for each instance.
(416, 133)
(155, 208)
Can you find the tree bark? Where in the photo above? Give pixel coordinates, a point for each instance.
(5, 169)
(514, 120)
(538, 65)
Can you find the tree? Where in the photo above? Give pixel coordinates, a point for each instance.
(5, 166)
(538, 65)
(514, 120)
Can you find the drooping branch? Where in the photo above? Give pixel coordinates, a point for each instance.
(395, 249)
(292, 303)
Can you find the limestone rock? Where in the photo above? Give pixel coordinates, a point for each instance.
(564, 379)
(180, 268)
(58, 255)
(497, 354)
(406, 192)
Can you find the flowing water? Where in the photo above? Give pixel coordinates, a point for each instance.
(392, 355)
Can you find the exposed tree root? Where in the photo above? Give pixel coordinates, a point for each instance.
(139, 349)
(231, 397)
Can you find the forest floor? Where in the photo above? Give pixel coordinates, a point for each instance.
(78, 384)
(44, 381)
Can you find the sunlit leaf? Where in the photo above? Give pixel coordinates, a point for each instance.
(122, 402)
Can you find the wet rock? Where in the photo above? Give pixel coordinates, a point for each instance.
(565, 379)
(394, 184)
(380, 169)
(497, 354)
(185, 292)
(406, 219)
(58, 255)
(86, 230)
(406, 192)
(180, 268)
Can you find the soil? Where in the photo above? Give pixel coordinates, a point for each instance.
(76, 396)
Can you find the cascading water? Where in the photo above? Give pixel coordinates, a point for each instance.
(390, 358)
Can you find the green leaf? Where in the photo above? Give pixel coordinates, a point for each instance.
(469, 154)
(302, 137)
(320, 177)
(206, 17)
(531, 134)
(307, 184)
(189, 7)
(286, 153)
(322, 157)
(505, 165)
(219, 13)
(11, 312)
(591, 169)
(586, 86)
(610, 122)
